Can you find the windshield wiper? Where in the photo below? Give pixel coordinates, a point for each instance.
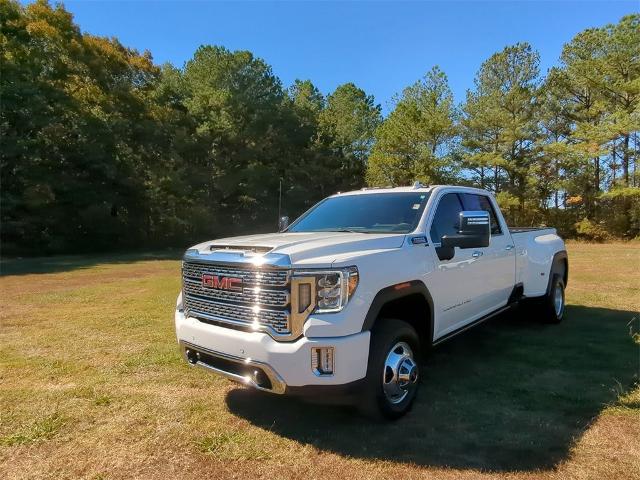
(349, 230)
(345, 230)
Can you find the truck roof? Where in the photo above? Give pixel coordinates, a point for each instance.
(416, 187)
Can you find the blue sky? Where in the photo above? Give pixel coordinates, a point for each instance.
(380, 46)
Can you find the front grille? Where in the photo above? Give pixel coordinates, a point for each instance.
(250, 295)
(250, 277)
(263, 301)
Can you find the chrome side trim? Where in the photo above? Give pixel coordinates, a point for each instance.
(466, 327)
(277, 383)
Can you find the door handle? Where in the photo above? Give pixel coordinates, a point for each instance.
(509, 247)
(476, 254)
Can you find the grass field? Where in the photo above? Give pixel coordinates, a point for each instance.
(92, 386)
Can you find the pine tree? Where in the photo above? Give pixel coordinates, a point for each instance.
(415, 141)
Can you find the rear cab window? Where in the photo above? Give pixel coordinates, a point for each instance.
(473, 201)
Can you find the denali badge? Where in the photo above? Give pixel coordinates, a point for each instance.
(222, 283)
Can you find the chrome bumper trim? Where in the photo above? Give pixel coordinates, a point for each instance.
(277, 384)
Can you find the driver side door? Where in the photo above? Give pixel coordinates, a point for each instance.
(460, 288)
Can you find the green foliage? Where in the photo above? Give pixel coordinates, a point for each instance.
(103, 149)
(77, 138)
(555, 150)
(622, 193)
(590, 230)
(413, 143)
(507, 201)
(592, 113)
(347, 127)
(623, 207)
(500, 125)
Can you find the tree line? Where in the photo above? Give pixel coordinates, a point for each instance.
(101, 148)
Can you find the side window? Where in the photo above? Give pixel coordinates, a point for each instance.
(445, 221)
(472, 201)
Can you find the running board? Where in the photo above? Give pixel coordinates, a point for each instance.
(472, 324)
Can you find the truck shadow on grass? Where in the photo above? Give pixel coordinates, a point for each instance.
(511, 394)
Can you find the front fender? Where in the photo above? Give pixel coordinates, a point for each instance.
(397, 292)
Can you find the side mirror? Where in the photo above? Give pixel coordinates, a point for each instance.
(283, 223)
(474, 231)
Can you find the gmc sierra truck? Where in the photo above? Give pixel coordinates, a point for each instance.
(344, 302)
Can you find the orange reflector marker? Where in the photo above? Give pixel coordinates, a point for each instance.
(400, 286)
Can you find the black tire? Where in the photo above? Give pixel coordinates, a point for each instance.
(551, 306)
(376, 400)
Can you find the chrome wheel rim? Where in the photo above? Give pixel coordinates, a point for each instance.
(400, 373)
(558, 300)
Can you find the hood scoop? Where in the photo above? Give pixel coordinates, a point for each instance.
(252, 249)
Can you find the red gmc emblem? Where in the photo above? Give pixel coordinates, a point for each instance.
(222, 283)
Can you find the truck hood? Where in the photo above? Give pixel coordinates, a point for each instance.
(305, 248)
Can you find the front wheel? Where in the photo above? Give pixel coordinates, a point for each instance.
(393, 370)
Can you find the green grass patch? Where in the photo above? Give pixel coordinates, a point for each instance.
(94, 342)
(42, 429)
(233, 445)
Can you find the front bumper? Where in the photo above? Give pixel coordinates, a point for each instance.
(256, 359)
(242, 370)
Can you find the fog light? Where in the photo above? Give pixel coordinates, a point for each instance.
(322, 360)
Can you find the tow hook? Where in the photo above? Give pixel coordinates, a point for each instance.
(192, 356)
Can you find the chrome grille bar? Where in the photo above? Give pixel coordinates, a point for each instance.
(249, 295)
(278, 320)
(251, 277)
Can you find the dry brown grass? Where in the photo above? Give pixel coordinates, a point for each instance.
(91, 386)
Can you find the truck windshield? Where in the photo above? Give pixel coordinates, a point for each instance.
(365, 213)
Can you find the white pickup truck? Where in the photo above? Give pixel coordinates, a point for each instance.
(344, 302)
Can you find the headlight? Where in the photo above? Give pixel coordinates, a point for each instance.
(333, 289)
